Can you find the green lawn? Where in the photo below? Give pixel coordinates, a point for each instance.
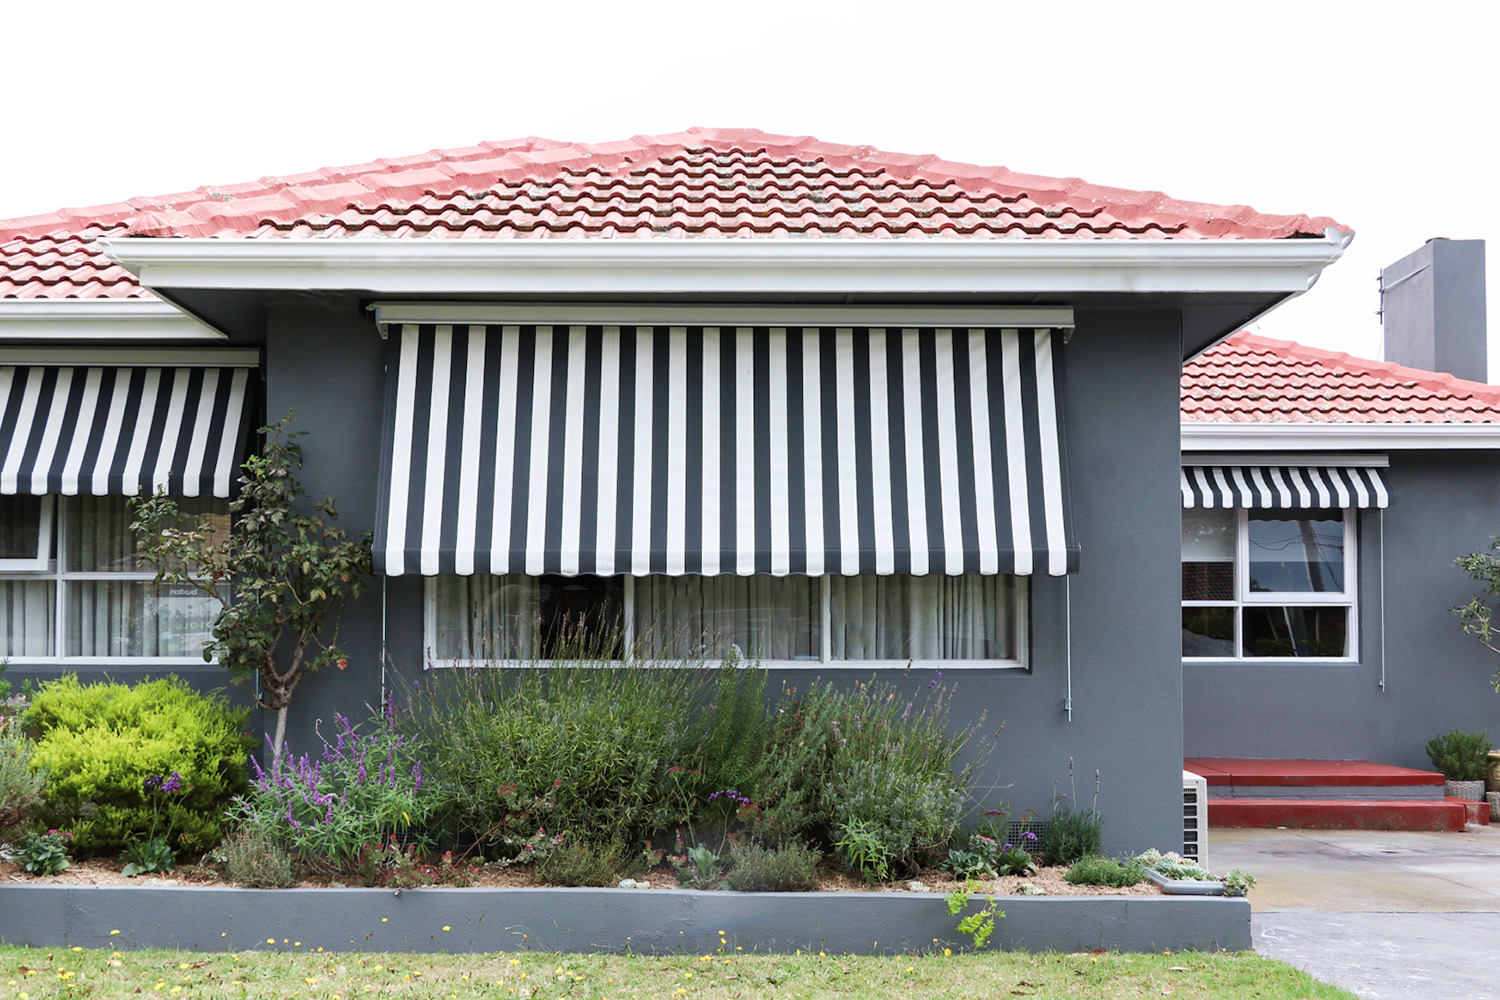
(286, 970)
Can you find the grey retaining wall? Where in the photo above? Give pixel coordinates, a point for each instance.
(582, 920)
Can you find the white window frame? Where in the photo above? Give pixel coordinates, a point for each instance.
(52, 558)
(38, 562)
(824, 661)
(1244, 597)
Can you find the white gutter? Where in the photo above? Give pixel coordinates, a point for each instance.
(1207, 437)
(57, 320)
(730, 266)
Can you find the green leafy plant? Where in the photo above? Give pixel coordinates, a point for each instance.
(1072, 833)
(1460, 756)
(99, 743)
(697, 867)
(581, 862)
(791, 867)
(979, 925)
(153, 853)
(281, 576)
(253, 858)
(865, 848)
(364, 787)
(870, 758)
(45, 853)
(20, 785)
(1094, 870)
(1237, 883)
(1175, 866)
(600, 743)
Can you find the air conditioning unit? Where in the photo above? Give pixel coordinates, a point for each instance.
(1194, 815)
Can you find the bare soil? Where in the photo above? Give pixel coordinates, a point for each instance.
(106, 871)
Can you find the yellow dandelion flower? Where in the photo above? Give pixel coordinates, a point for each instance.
(447, 928)
(182, 965)
(113, 954)
(385, 920)
(515, 961)
(911, 968)
(947, 951)
(309, 981)
(77, 948)
(270, 940)
(114, 932)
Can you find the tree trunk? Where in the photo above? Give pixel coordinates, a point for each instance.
(278, 739)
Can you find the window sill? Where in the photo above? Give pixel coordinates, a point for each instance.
(916, 665)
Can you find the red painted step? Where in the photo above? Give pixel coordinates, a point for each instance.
(1302, 772)
(1341, 814)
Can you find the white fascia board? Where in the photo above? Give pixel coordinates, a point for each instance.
(162, 356)
(99, 319)
(686, 314)
(730, 266)
(1342, 460)
(1203, 437)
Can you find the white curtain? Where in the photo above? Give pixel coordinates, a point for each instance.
(26, 617)
(923, 617)
(485, 617)
(767, 617)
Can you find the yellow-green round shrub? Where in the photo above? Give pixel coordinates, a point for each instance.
(98, 743)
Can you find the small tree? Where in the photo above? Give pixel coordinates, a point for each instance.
(1477, 618)
(281, 576)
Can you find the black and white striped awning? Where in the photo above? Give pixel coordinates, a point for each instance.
(121, 430)
(719, 450)
(1282, 486)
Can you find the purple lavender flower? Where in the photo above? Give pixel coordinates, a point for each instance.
(907, 713)
(172, 784)
(937, 676)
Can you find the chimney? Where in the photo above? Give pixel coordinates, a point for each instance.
(1432, 309)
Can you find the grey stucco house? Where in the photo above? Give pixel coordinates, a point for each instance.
(1325, 498)
(869, 413)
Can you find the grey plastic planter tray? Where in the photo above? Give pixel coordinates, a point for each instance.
(1185, 886)
(582, 920)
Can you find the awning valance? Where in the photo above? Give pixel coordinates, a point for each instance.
(1282, 486)
(717, 450)
(121, 430)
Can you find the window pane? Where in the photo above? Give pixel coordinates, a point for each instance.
(137, 618)
(923, 617)
(517, 617)
(1300, 555)
(98, 531)
(1296, 631)
(1208, 555)
(26, 616)
(1208, 632)
(767, 617)
(20, 526)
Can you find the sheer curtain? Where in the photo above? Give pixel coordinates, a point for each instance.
(486, 617)
(923, 617)
(767, 617)
(27, 608)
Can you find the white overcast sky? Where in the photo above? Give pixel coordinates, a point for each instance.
(1379, 114)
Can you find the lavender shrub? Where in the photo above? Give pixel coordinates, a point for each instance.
(365, 786)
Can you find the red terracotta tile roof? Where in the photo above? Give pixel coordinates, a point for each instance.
(1254, 379)
(705, 182)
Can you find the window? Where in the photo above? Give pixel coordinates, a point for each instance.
(779, 619)
(70, 586)
(1265, 584)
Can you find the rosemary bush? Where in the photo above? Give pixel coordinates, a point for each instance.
(597, 743)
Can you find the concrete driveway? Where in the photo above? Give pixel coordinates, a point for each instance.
(1385, 914)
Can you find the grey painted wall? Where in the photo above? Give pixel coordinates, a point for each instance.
(1443, 504)
(1122, 429)
(1433, 309)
